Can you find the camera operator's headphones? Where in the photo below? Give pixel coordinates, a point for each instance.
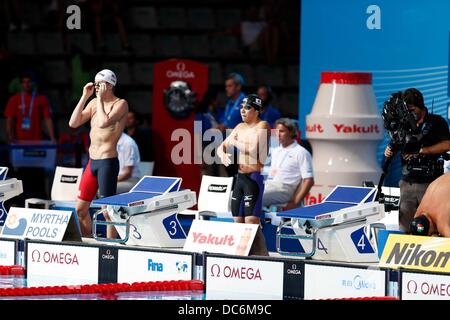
(420, 226)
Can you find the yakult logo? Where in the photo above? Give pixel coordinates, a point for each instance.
(428, 289)
(47, 257)
(342, 128)
(314, 128)
(241, 273)
(312, 199)
(227, 240)
(181, 72)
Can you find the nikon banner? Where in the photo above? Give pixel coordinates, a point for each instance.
(417, 252)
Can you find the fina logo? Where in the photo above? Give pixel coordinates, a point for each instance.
(154, 266)
(182, 266)
(14, 226)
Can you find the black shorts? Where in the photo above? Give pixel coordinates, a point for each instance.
(246, 199)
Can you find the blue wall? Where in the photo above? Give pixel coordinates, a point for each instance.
(410, 50)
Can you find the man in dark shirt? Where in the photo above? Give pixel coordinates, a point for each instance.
(417, 169)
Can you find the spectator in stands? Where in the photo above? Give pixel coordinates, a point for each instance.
(271, 14)
(259, 31)
(233, 90)
(102, 9)
(291, 173)
(129, 158)
(232, 114)
(25, 111)
(268, 113)
(141, 136)
(14, 15)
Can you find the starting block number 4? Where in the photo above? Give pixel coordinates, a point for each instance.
(321, 246)
(361, 242)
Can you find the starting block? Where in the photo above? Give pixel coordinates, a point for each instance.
(147, 214)
(9, 188)
(341, 228)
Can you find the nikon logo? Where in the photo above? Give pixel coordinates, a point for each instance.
(69, 179)
(411, 254)
(217, 188)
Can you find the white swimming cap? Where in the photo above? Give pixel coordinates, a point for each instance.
(106, 75)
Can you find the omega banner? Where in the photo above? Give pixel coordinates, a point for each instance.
(173, 122)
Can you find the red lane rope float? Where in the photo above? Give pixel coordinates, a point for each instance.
(110, 288)
(15, 270)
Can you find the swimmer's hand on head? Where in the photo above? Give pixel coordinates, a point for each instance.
(88, 89)
(101, 91)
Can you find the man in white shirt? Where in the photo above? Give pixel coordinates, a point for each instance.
(129, 158)
(291, 173)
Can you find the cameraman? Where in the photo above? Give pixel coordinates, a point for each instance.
(416, 176)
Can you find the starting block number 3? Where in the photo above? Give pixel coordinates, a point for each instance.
(173, 227)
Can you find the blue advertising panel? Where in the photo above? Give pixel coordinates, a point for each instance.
(403, 43)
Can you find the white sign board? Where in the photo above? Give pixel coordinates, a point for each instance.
(420, 286)
(49, 264)
(7, 253)
(38, 224)
(228, 278)
(137, 266)
(328, 282)
(220, 237)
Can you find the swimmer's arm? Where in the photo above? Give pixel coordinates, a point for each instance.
(80, 116)
(264, 141)
(229, 141)
(118, 111)
(250, 147)
(222, 148)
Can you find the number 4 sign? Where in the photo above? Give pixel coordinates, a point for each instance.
(361, 242)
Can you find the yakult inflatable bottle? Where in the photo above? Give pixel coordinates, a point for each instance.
(344, 129)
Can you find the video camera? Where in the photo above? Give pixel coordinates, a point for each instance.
(401, 124)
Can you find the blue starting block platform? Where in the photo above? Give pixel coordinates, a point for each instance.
(341, 228)
(147, 214)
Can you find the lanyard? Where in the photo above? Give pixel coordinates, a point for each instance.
(228, 111)
(31, 104)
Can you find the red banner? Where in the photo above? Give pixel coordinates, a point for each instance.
(164, 124)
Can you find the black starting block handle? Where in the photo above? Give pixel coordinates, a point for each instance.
(280, 235)
(96, 222)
